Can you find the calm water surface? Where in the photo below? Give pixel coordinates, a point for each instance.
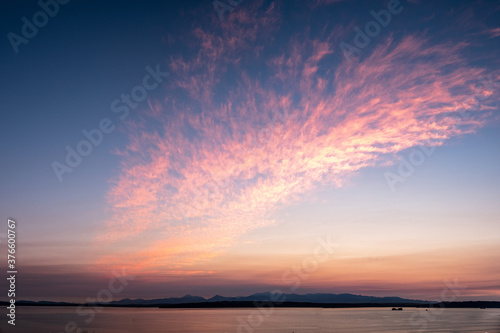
(301, 320)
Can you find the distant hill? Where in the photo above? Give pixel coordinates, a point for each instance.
(262, 297)
(170, 300)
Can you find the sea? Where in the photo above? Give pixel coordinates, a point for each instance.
(248, 320)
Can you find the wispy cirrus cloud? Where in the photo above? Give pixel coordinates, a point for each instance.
(493, 32)
(242, 132)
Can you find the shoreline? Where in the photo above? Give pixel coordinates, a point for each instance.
(257, 304)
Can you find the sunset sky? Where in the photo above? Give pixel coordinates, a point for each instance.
(212, 151)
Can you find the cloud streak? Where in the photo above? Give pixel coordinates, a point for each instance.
(242, 132)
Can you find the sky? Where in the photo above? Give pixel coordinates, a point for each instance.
(235, 147)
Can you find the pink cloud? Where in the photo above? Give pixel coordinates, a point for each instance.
(494, 32)
(216, 170)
